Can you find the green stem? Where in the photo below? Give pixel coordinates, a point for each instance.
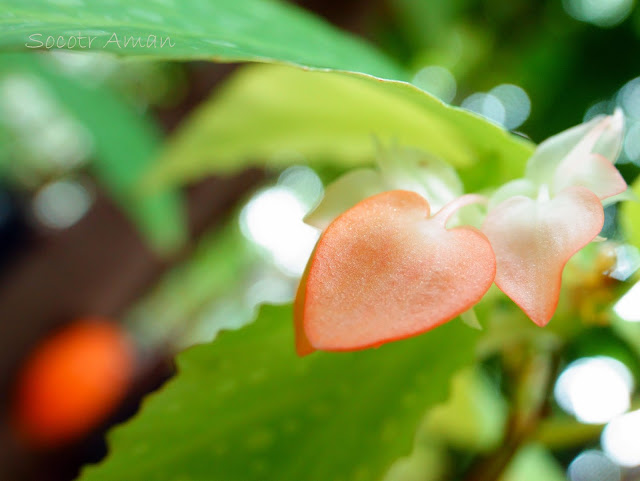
(533, 387)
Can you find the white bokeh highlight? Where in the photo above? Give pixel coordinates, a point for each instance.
(438, 81)
(61, 204)
(516, 103)
(621, 439)
(603, 13)
(595, 389)
(273, 219)
(593, 465)
(487, 105)
(628, 307)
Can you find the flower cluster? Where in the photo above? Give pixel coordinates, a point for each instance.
(389, 265)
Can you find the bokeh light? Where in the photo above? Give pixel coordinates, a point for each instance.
(603, 13)
(603, 107)
(621, 439)
(627, 262)
(629, 98)
(273, 219)
(628, 307)
(487, 105)
(438, 81)
(507, 105)
(593, 465)
(61, 204)
(516, 103)
(632, 142)
(268, 289)
(594, 389)
(46, 135)
(95, 66)
(304, 183)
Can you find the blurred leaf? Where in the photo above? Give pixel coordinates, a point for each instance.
(220, 30)
(564, 432)
(277, 114)
(474, 417)
(124, 145)
(630, 217)
(427, 462)
(246, 408)
(534, 463)
(217, 268)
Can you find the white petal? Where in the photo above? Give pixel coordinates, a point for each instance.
(602, 134)
(523, 187)
(593, 171)
(417, 171)
(343, 194)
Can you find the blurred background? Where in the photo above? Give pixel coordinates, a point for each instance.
(77, 130)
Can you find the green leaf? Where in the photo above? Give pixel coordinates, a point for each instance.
(220, 30)
(124, 145)
(246, 408)
(630, 217)
(279, 114)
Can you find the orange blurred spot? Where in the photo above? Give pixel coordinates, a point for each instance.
(71, 382)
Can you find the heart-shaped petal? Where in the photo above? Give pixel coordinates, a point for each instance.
(384, 271)
(533, 240)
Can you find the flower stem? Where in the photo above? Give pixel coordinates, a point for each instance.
(533, 387)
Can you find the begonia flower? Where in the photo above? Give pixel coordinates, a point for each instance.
(385, 270)
(396, 169)
(536, 224)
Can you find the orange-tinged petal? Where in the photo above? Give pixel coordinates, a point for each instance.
(384, 271)
(533, 240)
(303, 346)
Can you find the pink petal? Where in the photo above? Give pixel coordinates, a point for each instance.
(533, 240)
(592, 171)
(603, 135)
(384, 271)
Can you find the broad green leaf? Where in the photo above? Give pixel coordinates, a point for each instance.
(123, 144)
(279, 114)
(247, 408)
(219, 30)
(630, 217)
